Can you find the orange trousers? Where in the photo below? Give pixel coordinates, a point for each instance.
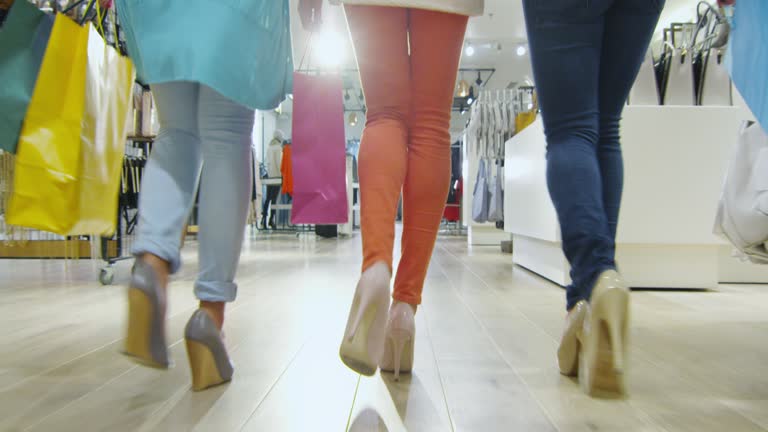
(408, 61)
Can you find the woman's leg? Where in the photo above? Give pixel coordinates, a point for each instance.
(170, 180)
(168, 191)
(381, 46)
(566, 43)
(629, 25)
(225, 189)
(436, 40)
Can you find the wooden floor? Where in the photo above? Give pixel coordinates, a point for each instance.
(485, 355)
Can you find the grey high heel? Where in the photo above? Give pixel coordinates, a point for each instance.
(145, 339)
(208, 357)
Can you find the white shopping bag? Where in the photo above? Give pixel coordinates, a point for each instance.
(742, 216)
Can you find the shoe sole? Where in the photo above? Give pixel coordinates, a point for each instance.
(601, 378)
(205, 372)
(138, 339)
(354, 353)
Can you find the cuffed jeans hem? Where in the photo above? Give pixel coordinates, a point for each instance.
(212, 291)
(404, 298)
(173, 257)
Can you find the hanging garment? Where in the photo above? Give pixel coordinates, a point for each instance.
(496, 204)
(452, 211)
(742, 215)
(480, 196)
(274, 160)
(286, 170)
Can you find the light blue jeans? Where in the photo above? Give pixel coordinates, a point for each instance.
(201, 131)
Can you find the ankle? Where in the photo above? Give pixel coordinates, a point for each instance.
(215, 310)
(161, 267)
(413, 306)
(379, 269)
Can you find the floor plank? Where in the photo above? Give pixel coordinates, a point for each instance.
(487, 334)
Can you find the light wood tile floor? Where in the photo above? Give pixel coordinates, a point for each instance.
(485, 355)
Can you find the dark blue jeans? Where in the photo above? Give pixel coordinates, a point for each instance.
(586, 55)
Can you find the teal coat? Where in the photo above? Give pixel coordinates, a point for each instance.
(240, 48)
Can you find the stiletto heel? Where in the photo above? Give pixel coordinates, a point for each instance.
(401, 335)
(145, 334)
(399, 339)
(363, 342)
(208, 359)
(604, 344)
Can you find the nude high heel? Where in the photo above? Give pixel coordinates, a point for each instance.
(602, 367)
(145, 335)
(401, 337)
(363, 342)
(570, 345)
(208, 358)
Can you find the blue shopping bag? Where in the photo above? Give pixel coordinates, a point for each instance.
(747, 57)
(23, 40)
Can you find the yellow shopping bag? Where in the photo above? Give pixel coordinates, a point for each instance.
(524, 119)
(69, 156)
(108, 97)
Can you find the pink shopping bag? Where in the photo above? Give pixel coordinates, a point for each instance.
(319, 151)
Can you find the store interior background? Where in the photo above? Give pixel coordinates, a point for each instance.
(496, 38)
(489, 327)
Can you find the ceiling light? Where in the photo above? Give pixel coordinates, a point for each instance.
(353, 119)
(470, 50)
(329, 48)
(521, 50)
(471, 96)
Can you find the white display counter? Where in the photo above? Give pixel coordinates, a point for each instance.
(675, 159)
